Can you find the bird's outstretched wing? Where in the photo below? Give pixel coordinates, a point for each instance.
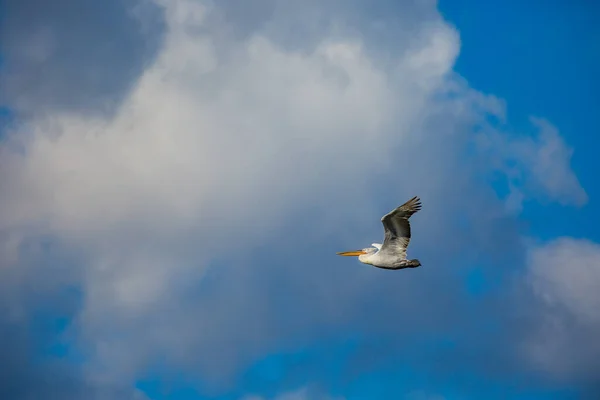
(397, 228)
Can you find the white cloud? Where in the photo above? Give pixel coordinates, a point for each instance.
(249, 134)
(565, 275)
(223, 141)
(305, 394)
(537, 166)
(300, 394)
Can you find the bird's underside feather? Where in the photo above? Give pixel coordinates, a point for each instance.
(397, 229)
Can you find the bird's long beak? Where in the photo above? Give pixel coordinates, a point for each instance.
(355, 253)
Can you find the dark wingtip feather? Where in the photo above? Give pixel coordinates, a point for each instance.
(405, 210)
(412, 206)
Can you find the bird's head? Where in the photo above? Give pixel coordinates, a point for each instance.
(361, 254)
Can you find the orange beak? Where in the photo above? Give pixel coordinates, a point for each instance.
(354, 253)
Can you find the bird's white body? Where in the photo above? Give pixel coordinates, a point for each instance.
(392, 253)
(377, 259)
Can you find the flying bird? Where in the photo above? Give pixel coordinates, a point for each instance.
(392, 254)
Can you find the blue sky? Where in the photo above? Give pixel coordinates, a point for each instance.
(176, 178)
(557, 43)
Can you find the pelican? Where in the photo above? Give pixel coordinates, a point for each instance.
(392, 254)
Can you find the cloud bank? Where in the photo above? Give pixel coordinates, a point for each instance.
(565, 275)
